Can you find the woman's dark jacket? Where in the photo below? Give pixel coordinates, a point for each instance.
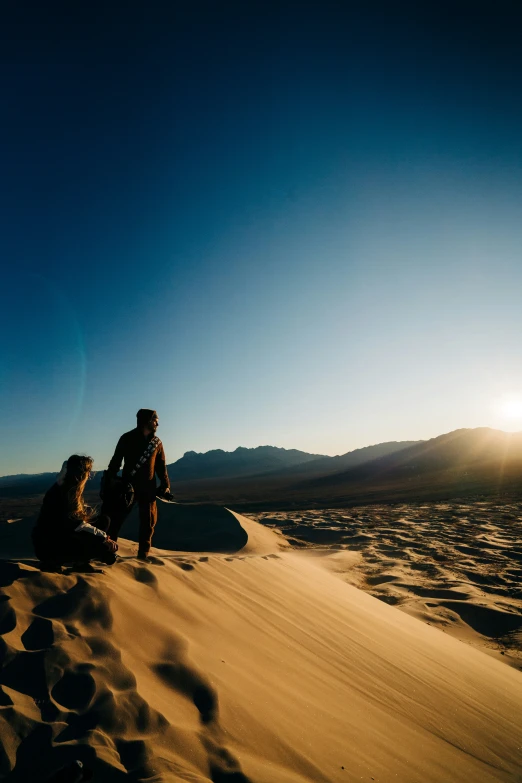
(55, 518)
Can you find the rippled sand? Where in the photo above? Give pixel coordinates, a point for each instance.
(455, 565)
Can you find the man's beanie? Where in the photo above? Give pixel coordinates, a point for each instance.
(144, 415)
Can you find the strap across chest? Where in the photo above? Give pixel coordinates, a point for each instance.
(147, 454)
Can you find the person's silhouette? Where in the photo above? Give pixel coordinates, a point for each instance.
(143, 457)
(67, 530)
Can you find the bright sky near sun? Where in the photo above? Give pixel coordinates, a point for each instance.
(292, 224)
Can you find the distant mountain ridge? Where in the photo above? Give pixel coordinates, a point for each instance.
(463, 450)
(464, 462)
(193, 465)
(261, 461)
(37, 482)
(17, 477)
(240, 462)
(351, 459)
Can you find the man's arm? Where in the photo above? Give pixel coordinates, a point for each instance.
(115, 463)
(160, 469)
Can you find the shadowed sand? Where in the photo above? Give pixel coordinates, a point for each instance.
(204, 528)
(198, 528)
(258, 665)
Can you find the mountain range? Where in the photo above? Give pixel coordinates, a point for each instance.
(465, 462)
(262, 461)
(241, 462)
(462, 462)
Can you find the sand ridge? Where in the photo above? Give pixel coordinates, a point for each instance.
(256, 666)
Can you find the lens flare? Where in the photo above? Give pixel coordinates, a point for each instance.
(510, 406)
(74, 343)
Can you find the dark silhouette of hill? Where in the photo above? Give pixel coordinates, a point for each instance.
(241, 462)
(461, 451)
(327, 465)
(222, 465)
(20, 478)
(193, 465)
(464, 462)
(24, 484)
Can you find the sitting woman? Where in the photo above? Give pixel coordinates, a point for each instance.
(67, 530)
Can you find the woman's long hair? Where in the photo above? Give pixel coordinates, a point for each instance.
(78, 470)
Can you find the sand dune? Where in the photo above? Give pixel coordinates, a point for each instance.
(259, 665)
(454, 565)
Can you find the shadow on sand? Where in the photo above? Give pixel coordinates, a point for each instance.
(181, 528)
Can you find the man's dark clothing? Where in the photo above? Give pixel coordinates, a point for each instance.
(130, 448)
(148, 514)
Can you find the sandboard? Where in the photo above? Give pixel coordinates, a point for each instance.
(170, 502)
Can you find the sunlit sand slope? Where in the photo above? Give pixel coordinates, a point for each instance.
(249, 667)
(455, 565)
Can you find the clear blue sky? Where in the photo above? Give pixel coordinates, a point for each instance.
(296, 224)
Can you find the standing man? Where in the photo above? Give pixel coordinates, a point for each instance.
(143, 459)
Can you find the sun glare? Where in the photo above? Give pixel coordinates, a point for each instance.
(510, 407)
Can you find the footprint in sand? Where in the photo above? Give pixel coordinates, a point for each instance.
(9, 573)
(87, 603)
(7, 615)
(179, 675)
(184, 678)
(153, 560)
(145, 576)
(185, 565)
(224, 768)
(25, 672)
(76, 689)
(39, 635)
(136, 758)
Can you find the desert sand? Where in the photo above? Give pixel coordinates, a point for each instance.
(262, 663)
(455, 565)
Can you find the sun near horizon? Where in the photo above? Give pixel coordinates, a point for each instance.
(298, 228)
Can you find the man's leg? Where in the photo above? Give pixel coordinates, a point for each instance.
(117, 518)
(148, 518)
(102, 522)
